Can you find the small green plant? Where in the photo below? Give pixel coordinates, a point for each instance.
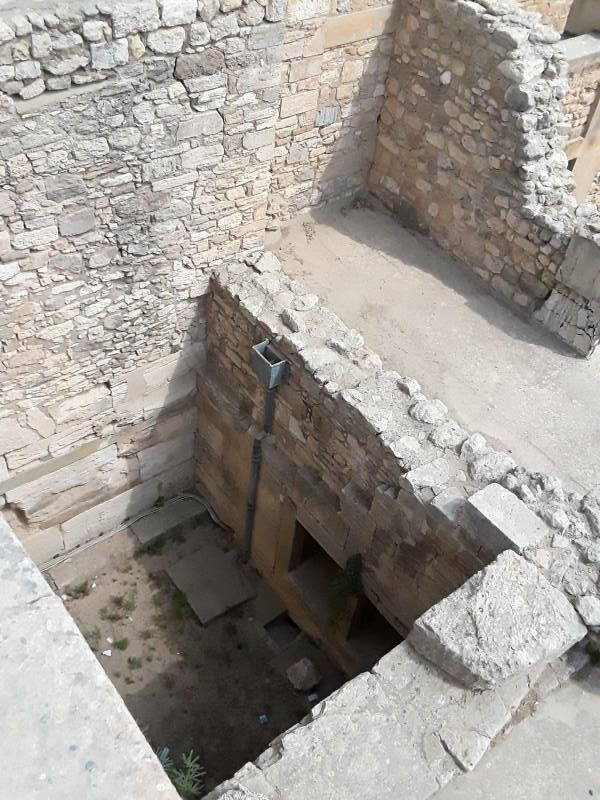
(169, 681)
(593, 651)
(121, 605)
(186, 773)
(146, 634)
(134, 662)
(92, 637)
(79, 590)
(346, 584)
(122, 644)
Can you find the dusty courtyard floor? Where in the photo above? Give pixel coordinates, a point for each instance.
(188, 685)
(428, 318)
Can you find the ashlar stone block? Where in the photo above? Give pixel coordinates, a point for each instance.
(501, 623)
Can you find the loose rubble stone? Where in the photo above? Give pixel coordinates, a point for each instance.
(490, 465)
(303, 675)
(589, 609)
(429, 411)
(499, 624)
(110, 54)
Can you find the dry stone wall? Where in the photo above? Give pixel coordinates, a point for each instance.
(333, 80)
(136, 142)
(471, 148)
(366, 462)
(552, 12)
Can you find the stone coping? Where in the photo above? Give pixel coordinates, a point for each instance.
(67, 733)
(581, 51)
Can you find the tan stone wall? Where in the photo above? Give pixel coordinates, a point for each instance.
(460, 153)
(553, 12)
(580, 102)
(333, 78)
(325, 466)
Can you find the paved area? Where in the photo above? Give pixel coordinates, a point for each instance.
(430, 319)
(551, 755)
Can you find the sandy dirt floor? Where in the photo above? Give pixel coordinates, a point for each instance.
(187, 685)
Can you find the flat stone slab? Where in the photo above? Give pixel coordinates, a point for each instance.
(212, 581)
(502, 622)
(164, 519)
(500, 521)
(67, 733)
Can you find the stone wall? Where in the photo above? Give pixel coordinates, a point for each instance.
(136, 152)
(470, 149)
(582, 97)
(553, 12)
(367, 464)
(333, 79)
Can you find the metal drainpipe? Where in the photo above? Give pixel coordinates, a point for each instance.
(271, 369)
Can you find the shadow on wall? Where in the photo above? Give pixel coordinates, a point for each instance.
(139, 451)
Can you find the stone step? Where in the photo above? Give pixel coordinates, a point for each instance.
(168, 519)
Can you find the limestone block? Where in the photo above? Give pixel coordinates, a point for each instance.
(35, 238)
(434, 475)
(62, 492)
(110, 514)
(298, 103)
(76, 222)
(255, 78)
(202, 156)
(82, 407)
(166, 40)
(194, 65)
(64, 187)
(199, 34)
(43, 545)
(589, 609)
(178, 12)
(305, 9)
(165, 455)
(275, 10)
(13, 436)
(491, 465)
(137, 17)
(499, 521)
(65, 66)
(201, 124)
(224, 26)
(6, 32)
(110, 54)
(33, 89)
(503, 621)
(94, 30)
(41, 45)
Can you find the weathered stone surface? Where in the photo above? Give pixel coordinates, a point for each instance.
(14, 436)
(433, 475)
(499, 521)
(109, 515)
(178, 12)
(161, 457)
(499, 624)
(429, 411)
(76, 222)
(303, 675)
(168, 40)
(589, 609)
(490, 465)
(202, 124)
(110, 54)
(137, 17)
(51, 498)
(194, 65)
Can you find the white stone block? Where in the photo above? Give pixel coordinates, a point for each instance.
(499, 521)
(110, 514)
(501, 623)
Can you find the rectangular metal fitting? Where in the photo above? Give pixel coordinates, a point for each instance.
(269, 366)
